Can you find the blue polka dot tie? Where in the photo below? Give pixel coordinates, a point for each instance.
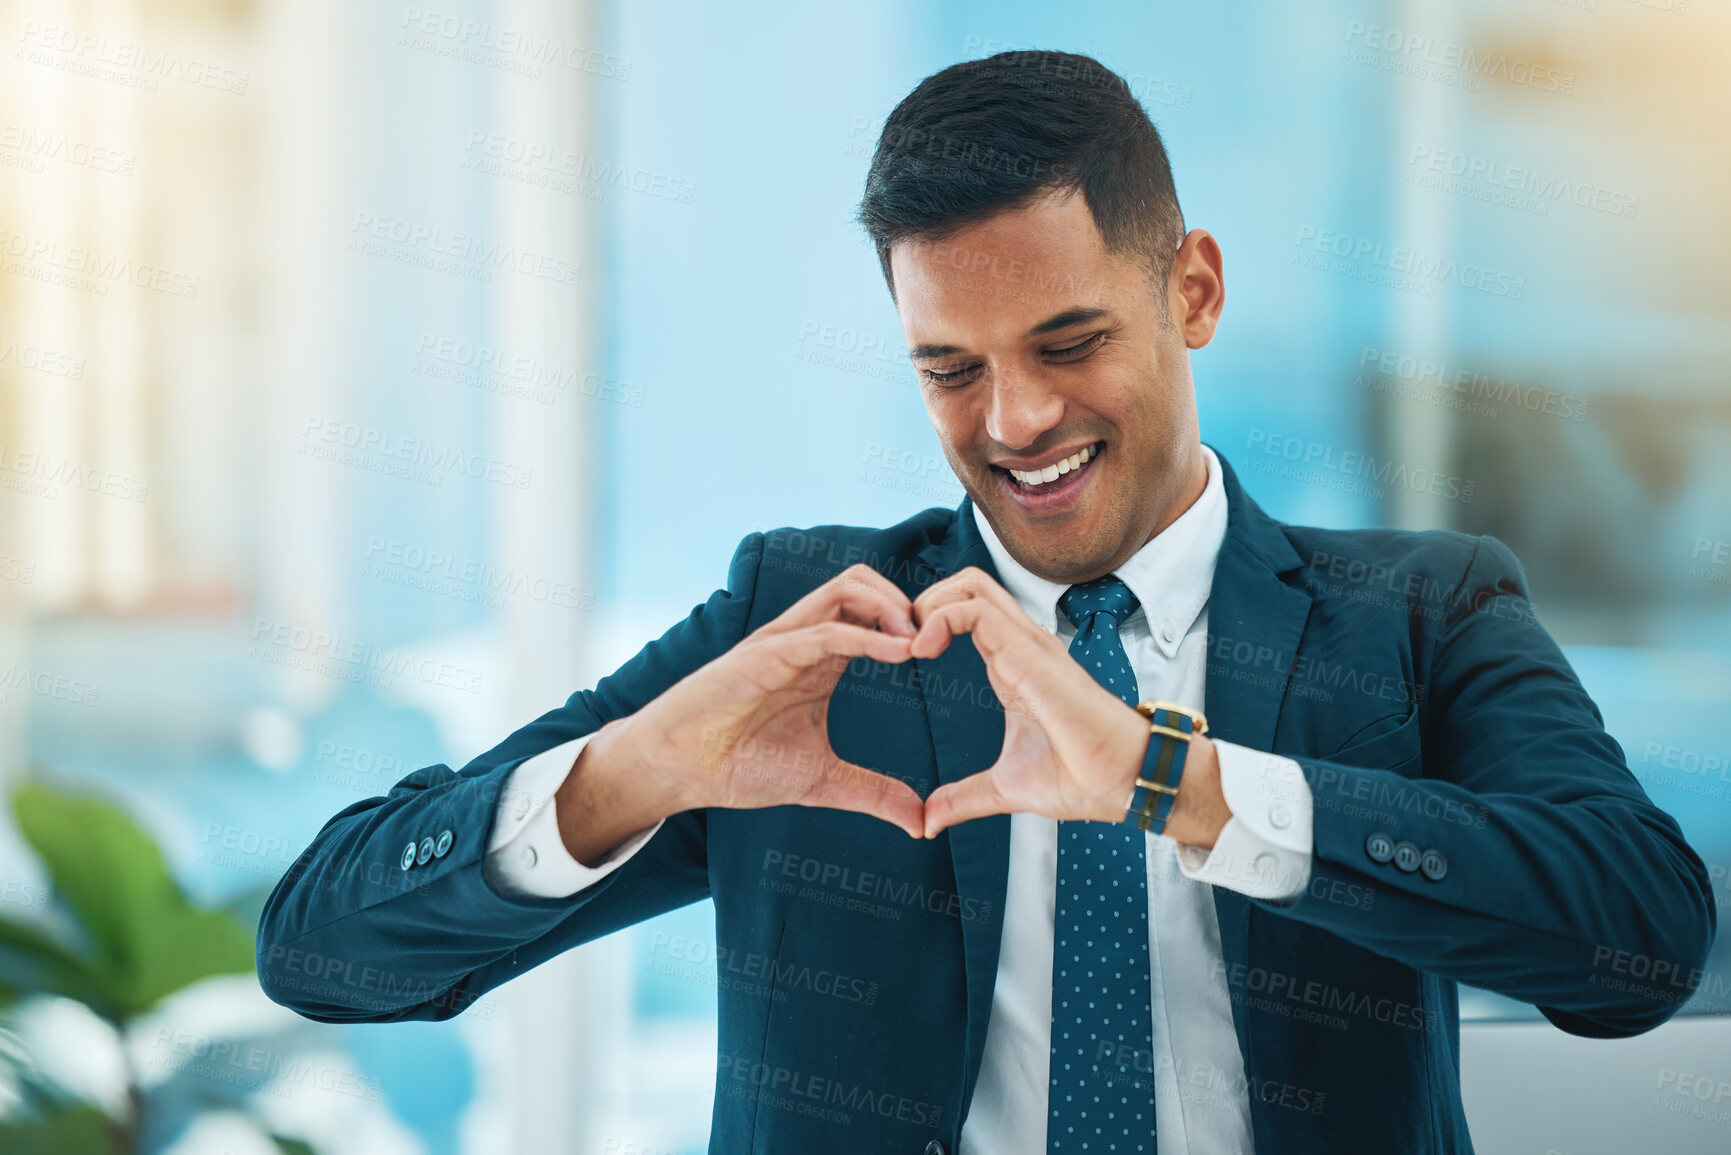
(1102, 1080)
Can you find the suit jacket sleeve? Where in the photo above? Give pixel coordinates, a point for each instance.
(1563, 880)
(349, 935)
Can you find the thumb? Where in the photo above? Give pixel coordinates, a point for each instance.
(975, 796)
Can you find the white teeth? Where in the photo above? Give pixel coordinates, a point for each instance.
(1053, 472)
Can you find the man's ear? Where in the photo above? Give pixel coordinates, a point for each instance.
(1196, 287)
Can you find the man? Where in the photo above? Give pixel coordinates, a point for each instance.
(970, 897)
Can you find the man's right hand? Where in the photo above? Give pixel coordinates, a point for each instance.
(750, 729)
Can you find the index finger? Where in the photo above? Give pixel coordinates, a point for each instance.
(971, 582)
(859, 595)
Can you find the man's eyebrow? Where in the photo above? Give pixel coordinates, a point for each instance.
(1063, 320)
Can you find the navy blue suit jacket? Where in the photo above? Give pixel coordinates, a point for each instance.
(1473, 823)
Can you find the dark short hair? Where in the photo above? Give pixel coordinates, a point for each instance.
(990, 135)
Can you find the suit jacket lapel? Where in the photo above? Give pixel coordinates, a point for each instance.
(967, 736)
(1255, 621)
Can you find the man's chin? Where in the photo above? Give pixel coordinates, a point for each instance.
(1063, 549)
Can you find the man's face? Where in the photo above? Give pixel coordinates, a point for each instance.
(1036, 348)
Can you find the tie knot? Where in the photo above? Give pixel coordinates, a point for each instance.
(1107, 595)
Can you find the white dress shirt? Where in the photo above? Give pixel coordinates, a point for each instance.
(1264, 851)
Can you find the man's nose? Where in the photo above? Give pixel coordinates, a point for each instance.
(1022, 407)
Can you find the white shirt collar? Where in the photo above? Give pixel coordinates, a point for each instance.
(1170, 576)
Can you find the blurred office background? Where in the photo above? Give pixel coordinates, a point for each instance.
(374, 376)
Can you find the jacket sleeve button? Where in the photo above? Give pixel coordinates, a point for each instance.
(1406, 856)
(1379, 846)
(443, 846)
(1433, 865)
(425, 855)
(408, 858)
(934, 1148)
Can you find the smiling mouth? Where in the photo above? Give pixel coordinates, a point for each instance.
(1037, 480)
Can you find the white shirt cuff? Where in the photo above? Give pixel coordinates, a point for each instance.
(526, 857)
(1265, 848)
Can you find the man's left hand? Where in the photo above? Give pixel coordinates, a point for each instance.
(1072, 748)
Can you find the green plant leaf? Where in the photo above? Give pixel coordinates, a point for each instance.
(149, 939)
(31, 961)
(65, 1129)
(291, 1146)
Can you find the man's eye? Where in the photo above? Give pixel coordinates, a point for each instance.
(939, 377)
(1080, 349)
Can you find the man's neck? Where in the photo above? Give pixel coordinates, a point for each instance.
(1189, 496)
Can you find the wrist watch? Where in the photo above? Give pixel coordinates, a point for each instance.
(1170, 728)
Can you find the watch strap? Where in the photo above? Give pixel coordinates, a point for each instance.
(1170, 729)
